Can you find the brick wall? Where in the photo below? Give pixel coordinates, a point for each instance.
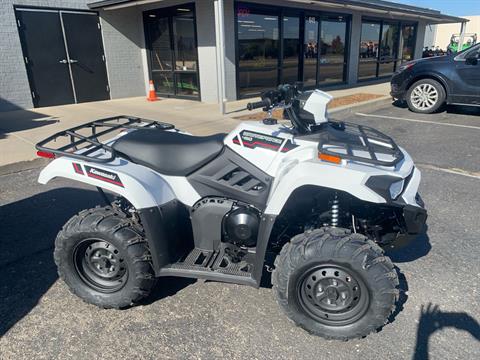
(123, 39)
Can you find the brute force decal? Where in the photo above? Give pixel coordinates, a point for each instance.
(252, 140)
(103, 175)
(78, 168)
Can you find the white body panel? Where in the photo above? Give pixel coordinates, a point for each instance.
(142, 187)
(290, 161)
(301, 166)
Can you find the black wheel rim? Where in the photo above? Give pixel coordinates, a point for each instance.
(100, 265)
(333, 295)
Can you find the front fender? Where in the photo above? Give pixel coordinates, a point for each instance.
(317, 174)
(142, 187)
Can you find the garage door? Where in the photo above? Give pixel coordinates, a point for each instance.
(63, 54)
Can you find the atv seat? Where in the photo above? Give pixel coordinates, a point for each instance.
(168, 152)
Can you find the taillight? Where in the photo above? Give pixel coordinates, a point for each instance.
(46, 154)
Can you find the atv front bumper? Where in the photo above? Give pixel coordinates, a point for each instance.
(414, 218)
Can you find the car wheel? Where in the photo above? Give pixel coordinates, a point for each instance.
(425, 96)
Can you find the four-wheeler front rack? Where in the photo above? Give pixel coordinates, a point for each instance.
(91, 142)
(358, 143)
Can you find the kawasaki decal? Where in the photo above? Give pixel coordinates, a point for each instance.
(103, 175)
(252, 140)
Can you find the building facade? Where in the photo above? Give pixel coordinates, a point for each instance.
(441, 35)
(62, 51)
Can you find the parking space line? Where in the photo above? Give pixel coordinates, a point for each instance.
(418, 121)
(475, 175)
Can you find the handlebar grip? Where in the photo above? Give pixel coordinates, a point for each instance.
(258, 105)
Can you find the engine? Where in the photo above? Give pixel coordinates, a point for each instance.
(217, 220)
(240, 226)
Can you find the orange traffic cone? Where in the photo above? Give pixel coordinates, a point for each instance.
(152, 95)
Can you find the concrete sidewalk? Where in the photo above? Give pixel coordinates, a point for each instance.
(20, 130)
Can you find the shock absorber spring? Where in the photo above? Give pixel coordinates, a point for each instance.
(335, 211)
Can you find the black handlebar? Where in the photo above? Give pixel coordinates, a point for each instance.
(283, 96)
(259, 104)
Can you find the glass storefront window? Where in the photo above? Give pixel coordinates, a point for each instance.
(310, 51)
(388, 49)
(333, 35)
(160, 43)
(279, 45)
(408, 42)
(369, 43)
(258, 51)
(291, 49)
(185, 44)
(379, 48)
(172, 49)
(187, 84)
(163, 82)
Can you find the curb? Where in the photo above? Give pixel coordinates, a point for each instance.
(22, 166)
(373, 104)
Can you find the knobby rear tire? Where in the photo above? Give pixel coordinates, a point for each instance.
(112, 227)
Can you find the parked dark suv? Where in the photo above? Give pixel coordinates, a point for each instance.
(426, 84)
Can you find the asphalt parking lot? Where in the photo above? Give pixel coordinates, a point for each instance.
(437, 317)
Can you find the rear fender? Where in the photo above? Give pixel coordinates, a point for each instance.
(141, 186)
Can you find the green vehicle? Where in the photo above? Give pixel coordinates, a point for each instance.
(468, 41)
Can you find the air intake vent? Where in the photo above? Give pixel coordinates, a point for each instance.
(237, 177)
(232, 176)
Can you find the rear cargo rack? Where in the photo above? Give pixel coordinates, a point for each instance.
(91, 142)
(358, 143)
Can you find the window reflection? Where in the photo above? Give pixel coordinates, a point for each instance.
(369, 40)
(332, 50)
(160, 44)
(185, 44)
(258, 51)
(172, 49)
(310, 51)
(408, 42)
(388, 49)
(291, 49)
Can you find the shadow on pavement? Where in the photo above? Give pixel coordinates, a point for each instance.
(167, 286)
(417, 249)
(18, 119)
(28, 231)
(433, 319)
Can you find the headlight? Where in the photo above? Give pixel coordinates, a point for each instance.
(396, 189)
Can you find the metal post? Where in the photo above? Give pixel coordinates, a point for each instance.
(463, 28)
(220, 50)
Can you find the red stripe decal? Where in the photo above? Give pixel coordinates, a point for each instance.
(78, 169)
(261, 144)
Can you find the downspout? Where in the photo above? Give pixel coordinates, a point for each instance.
(220, 51)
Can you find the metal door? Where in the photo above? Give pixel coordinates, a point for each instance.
(85, 52)
(64, 57)
(45, 57)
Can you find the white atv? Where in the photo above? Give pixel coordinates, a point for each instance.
(321, 198)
